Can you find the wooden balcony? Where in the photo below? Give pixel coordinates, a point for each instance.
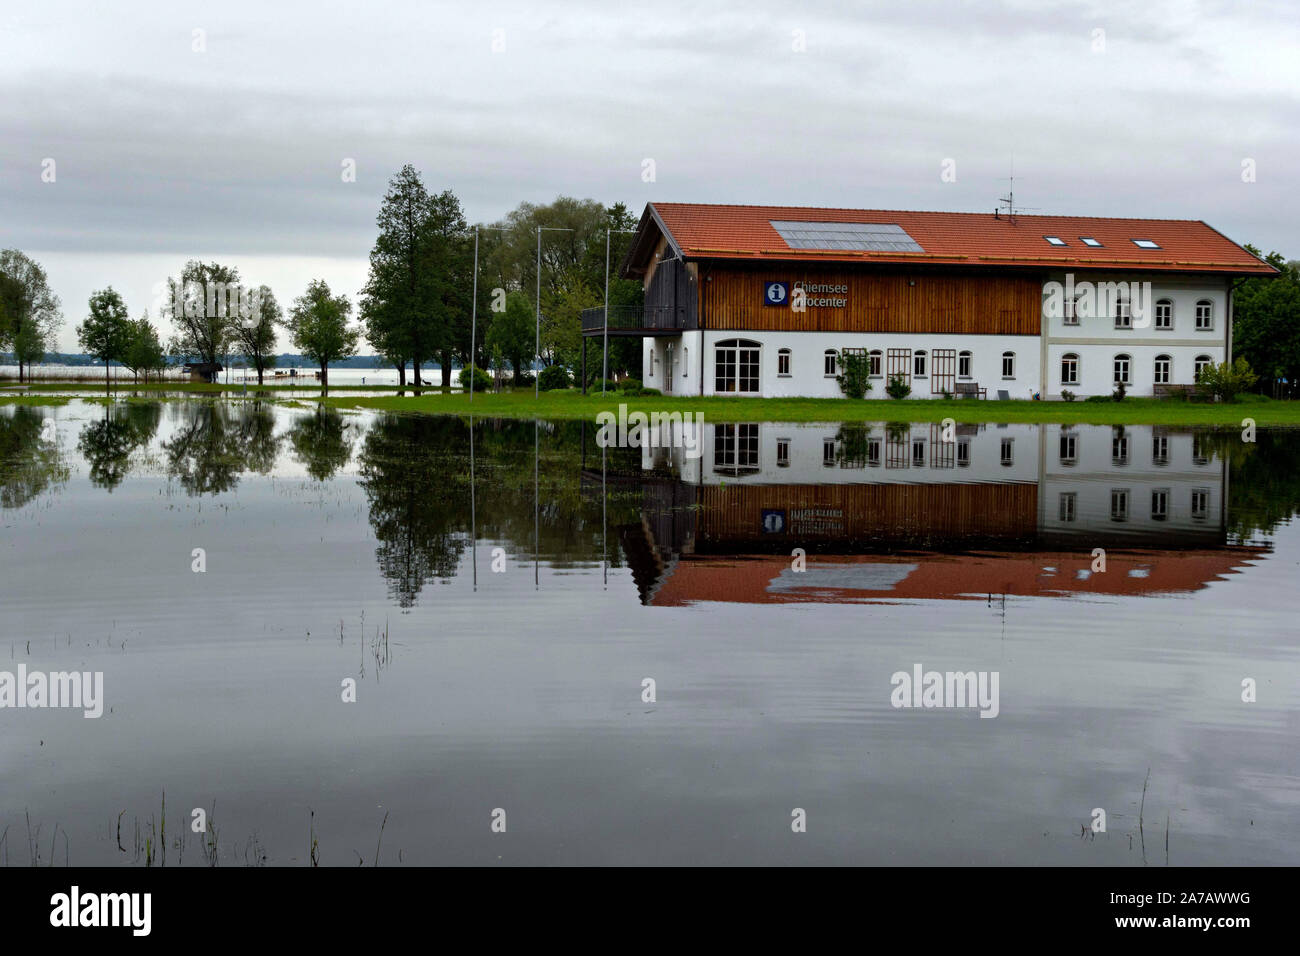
(635, 321)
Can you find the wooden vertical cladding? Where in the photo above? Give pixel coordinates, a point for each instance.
(858, 511)
(671, 296)
(877, 301)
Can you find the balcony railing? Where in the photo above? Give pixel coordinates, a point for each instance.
(634, 318)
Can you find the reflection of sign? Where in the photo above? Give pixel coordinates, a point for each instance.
(776, 293)
(773, 521)
(817, 521)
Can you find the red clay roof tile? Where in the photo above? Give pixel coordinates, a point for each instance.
(968, 239)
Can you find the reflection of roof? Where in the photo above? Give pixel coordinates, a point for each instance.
(957, 238)
(837, 579)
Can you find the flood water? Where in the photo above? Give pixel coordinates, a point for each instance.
(502, 594)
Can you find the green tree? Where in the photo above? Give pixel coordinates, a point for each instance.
(322, 441)
(106, 332)
(318, 322)
(31, 311)
(418, 288)
(1266, 322)
(511, 334)
(203, 306)
(145, 352)
(255, 333)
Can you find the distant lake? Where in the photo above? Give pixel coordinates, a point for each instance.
(501, 594)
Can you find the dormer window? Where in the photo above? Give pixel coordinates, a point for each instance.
(1054, 240)
(1089, 241)
(1146, 244)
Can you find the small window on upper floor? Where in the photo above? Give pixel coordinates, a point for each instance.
(1054, 240)
(1089, 241)
(1146, 244)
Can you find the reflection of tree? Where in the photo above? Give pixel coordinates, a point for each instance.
(29, 463)
(415, 472)
(1263, 479)
(220, 440)
(322, 441)
(108, 443)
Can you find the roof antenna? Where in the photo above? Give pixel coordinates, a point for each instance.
(1009, 200)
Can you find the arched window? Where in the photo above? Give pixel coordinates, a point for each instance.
(874, 363)
(918, 363)
(1122, 364)
(1165, 314)
(1201, 362)
(1008, 364)
(1204, 315)
(783, 363)
(830, 363)
(1123, 312)
(736, 365)
(1069, 369)
(963, 364)
(1164, 364)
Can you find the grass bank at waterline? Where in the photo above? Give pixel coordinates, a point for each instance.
(571, 405)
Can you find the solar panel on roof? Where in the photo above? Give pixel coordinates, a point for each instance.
(824, 236)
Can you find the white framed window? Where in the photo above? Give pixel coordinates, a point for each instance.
(874, 363)
(918, 363)
(1071, 307)
(918, 452)
(783, 363)
(1055, 240)
(1090, 241)
(1200, 503)
(1146, 244)
(1160, 449)
(1119, 504)
(1164, 315)
(1008, 364)
(1201, 362)
(963, 364)
(828, 452)
(1159, 504)
(735, 448)
(1200, 450)
(736, 367)
(686, 362)
(1070, 369)
(783, 452)
(963, 452)
(1069, 449)
(830, 363)
(1123, 313)
(1118, 447)
(1008, 451)
(873, 452)
(1204, 316)
(1163, 366)
(1121, 369)
(1068, 509)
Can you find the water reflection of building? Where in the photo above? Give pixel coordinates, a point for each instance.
(896, 512)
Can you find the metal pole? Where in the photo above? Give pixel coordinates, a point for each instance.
(537, 350)
(473, 329)
(604, 367)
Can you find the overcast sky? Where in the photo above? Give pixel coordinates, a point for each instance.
(229, 143)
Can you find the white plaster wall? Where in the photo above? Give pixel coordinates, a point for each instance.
(1183, 343)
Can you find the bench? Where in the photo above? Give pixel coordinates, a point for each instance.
(1174, 391)
(970, 390)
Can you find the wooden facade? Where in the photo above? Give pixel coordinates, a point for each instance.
(917, 302)
(888, 513)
